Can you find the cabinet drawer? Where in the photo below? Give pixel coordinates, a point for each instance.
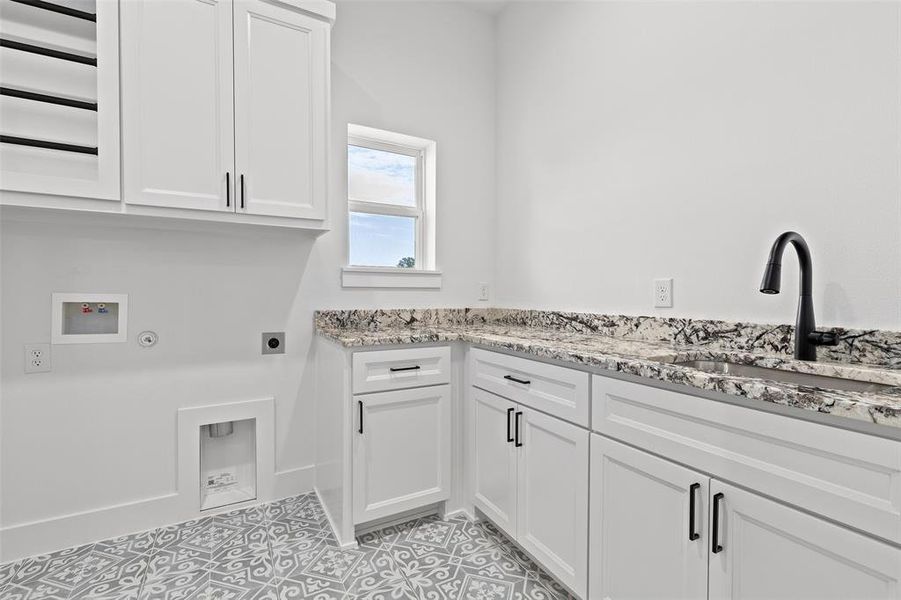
(555, 390)
(850, 477)
(381, 370)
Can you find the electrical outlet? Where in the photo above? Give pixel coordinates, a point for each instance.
(663, 293)
(37, 358)
(484, 291)
(274, 342)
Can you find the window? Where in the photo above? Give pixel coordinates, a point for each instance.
(391, 203)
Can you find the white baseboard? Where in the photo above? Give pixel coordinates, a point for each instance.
(460, 512)
(292, 482)
(352, 544)
(64, 531)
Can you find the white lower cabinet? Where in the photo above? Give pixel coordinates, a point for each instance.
(648, 526)
(662, 531)
(531, 478)
(402, 451)
(552, 496)
(494, 459)
(764, 549)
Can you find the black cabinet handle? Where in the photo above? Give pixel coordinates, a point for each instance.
(47, 98)
(509, 432)
(360, 404)
(59, 9)
(396, 369)
(517, 428)
(228, 189)
(692, 509)
(242, 190)
(512, 378)
(715, 546)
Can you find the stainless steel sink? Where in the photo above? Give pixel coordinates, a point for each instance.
(791, 377)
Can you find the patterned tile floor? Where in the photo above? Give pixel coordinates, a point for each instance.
(286, 551)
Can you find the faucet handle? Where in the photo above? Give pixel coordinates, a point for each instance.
(823, 338)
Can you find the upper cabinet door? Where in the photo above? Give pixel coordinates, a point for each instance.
(281, 102)
(56, 149)
(762, 549)
(552, 495)
(178, 116)
(649, 534)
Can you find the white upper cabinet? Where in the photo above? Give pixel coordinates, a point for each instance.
(226, 106)
(178, 117)
(59, 114)
(281, 110)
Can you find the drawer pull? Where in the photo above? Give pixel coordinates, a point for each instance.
(509, 433)
(715, 546)
(692, 510)
(397, 369)
(512, 378)
(518, 427)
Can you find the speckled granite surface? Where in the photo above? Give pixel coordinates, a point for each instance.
(648, 347)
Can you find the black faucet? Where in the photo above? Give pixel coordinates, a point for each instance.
(807, 338)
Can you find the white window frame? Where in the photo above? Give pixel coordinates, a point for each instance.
(425, 273)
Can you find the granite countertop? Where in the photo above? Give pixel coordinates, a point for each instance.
(654, 358)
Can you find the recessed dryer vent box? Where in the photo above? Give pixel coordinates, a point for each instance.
(89, 318)
(227, 463)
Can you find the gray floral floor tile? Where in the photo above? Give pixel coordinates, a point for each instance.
(7, 572)
(252, 569)
(285, 550)
(404, 592)
(282, 533)
(377, 571)
(169, 562)
(35, 590)
(177, 587)
(56, 567)
(457, 583)
(496, 562)
(136, 543)
(290, 560)
(111, 575)
(413, 564)
(304, 587)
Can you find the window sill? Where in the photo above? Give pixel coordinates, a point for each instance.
(387, 277)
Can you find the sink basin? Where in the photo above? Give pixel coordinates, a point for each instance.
(791, 377)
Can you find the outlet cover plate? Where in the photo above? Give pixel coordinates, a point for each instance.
(663, 293)
(273, 342)
(37, 358)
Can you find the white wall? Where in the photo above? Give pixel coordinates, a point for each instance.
(100, 430)
(668, 139)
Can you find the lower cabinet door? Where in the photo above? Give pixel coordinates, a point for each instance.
(494, 459)
(402, 451)
(763, 549)
(648, 526)
(552, 495)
